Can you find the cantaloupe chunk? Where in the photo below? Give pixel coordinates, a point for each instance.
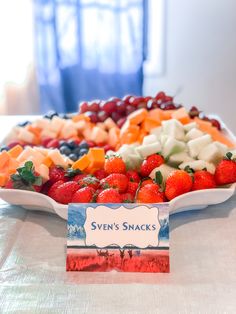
(81, 163)
(96, 157)
(4, 158)
(138, 116)
(114, 137)
(15, 151)
(3, 179)
(13, 165)
(130, 135)
(48, 161)
(217, 135)
(182, 115)
(148, 124)
(33, 129)
(80, 117)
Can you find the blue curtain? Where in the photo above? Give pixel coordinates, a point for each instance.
(88, 49)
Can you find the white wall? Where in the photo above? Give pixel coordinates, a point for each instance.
(200, 56)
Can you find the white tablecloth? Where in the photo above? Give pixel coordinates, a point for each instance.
(33, 277)
(202, 278)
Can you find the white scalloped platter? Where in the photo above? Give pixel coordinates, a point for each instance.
(186, 202)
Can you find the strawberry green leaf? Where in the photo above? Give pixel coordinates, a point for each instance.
(159, 178)
(70, 173)
(229, 156)
(189, 170)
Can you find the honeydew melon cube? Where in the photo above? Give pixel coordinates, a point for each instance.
(193, 133)
(172, 146)
(189, 126)
(173, 128)
(211, 153)
(165, 171)
(222, 147)
(198, 165)
(134, 161)
(196, 145)
(149, 139)
(147, 150)
(43, 172)
(163, 139)
(179, 158)
(156, 131)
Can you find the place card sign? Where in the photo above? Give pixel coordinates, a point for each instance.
(121, 237)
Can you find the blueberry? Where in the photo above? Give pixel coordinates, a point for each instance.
(4, 147)
(22, 124)
(72, 144)
(83, 151)
(50, 115)
(65, 150)
(83, 144)
(76, 151)
(73, 157)
(62, 143)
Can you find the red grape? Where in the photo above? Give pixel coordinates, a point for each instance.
(135, 101)
(116, 116)
(120, 107)
(152, 104)
(94, 106)
(130, 109)
(160, 95)
(83, 107)
(216, 124)
(126, 98)
(108, 106)
(121, 122)
(115, 99)
(92, 115)
(102, 116)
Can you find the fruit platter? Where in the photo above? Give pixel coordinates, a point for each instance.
(129, 150)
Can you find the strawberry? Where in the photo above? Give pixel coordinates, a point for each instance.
(146, 181)
(151, 163)
(177, 183)
(78, 177)
(114, 164)
(150, 193)
(89, 180)
(127, 198)
(56, 173)
(133, 176)
(132, 187)
(63, 193)
(52, 192)
(109, 196)
(116, 180)
(26, 178)
(84, 195)
(203, 180)
(100, 174)
(226, 171)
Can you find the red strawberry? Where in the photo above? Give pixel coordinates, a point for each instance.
(150, 193)
(146, 181)
(127, 198)
(133, 176)
(151, 163)
(79, 177)
(63, 193)
(114, 164)
(132, 187)
(9, 185)
(52, 192)
(91, 181)
(109, 196)
(84, 195)
(226, 171)
(56, 174)
(100, 174)
(177, 183)
(116, 180)
(203, 180)
(53, 144)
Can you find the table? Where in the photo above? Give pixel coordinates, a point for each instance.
(202, 278)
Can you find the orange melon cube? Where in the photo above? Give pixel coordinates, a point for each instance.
(13, 165)
(96, 157)
(182, 115)
(15, 151)
(48, 161)
(81, 163)
(4, 158)
(149, 124)
(3, 179)
(138, 116)
(113, 137)
(80, 117)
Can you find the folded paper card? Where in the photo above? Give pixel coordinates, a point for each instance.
(120, 237)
